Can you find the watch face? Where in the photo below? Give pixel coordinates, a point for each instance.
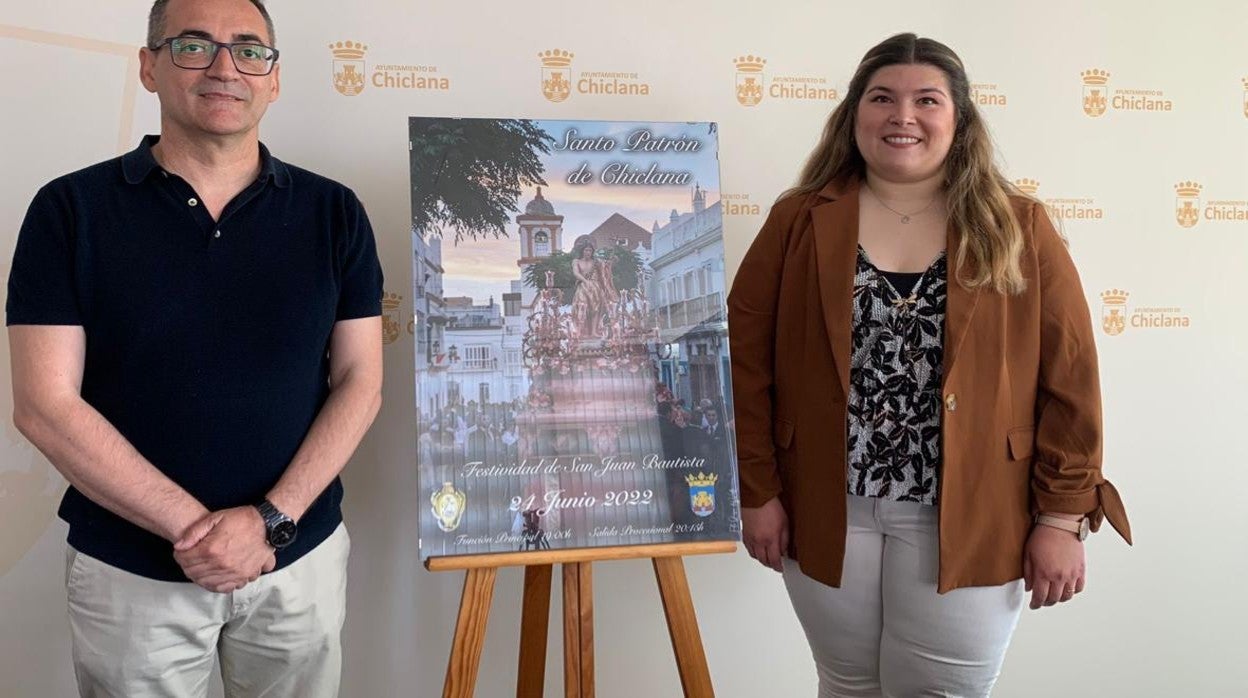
(282, 534)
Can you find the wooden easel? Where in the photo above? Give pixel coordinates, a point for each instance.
(578, 615)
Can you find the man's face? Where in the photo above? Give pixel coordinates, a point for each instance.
(219, 101)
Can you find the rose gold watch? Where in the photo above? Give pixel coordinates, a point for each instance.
(1080, 528)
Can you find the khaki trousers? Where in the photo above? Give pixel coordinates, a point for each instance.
(279, 636)
(886, 633)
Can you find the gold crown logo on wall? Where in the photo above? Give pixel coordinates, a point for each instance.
(749, 64)
(389, 326)
(1187, 205)
(348, 67)
(1095, 77)
(749, 79)
(1188, 190)
(556, 58)
(1094, 102)
(348, 50)
(556, 74)
(1027, 186)
(1114, 296)
(1113, 319)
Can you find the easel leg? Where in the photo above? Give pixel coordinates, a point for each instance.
(474, 611)
(682, 623)
(578, 630)
(534, 627)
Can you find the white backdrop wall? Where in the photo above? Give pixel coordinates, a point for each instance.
(1165, 618)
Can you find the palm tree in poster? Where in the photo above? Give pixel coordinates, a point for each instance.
(468, 174)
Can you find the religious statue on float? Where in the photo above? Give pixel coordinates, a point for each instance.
(595, 295)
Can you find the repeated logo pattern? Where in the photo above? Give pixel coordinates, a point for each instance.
(351, 73)
(349, 67)
(752, 84)
(556, 74)
(1095, 89)
(1117, 316)
(1099, 98)
(1187, 203)
(749, 79)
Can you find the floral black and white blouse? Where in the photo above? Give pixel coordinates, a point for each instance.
(895, 384)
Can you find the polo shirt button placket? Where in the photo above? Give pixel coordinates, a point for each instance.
(192, 201)
(217, 233)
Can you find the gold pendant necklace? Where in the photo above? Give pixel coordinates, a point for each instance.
(905, 217)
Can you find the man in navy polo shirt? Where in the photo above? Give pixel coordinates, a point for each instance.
(196, 346)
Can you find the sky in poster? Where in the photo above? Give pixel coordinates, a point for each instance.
(484, 268)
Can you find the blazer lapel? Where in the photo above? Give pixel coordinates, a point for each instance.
(836, 261)
(960, 304)
(836, 256)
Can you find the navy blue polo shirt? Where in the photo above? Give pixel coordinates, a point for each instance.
(207, 340)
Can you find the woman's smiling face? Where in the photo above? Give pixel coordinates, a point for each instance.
(905, 122)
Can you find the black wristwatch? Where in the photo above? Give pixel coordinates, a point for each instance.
(279, 529)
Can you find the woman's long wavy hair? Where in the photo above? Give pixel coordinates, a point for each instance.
(976, 192)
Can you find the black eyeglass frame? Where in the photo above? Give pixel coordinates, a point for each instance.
(217, 46)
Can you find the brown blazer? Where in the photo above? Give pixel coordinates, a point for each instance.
(1021, 429)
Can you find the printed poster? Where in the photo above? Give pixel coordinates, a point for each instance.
(572, 370)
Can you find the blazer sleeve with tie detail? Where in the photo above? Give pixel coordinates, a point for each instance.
(1066, 467)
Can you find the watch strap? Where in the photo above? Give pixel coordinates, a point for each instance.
(270, 513)
(1079, 527)
(273, 517)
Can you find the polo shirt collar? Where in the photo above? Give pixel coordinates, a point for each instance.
(138, 164)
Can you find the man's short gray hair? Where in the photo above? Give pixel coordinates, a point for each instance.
(156, 22)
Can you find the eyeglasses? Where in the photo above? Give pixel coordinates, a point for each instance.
(193, 53)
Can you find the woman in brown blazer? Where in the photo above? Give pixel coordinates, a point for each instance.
(917, 401)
